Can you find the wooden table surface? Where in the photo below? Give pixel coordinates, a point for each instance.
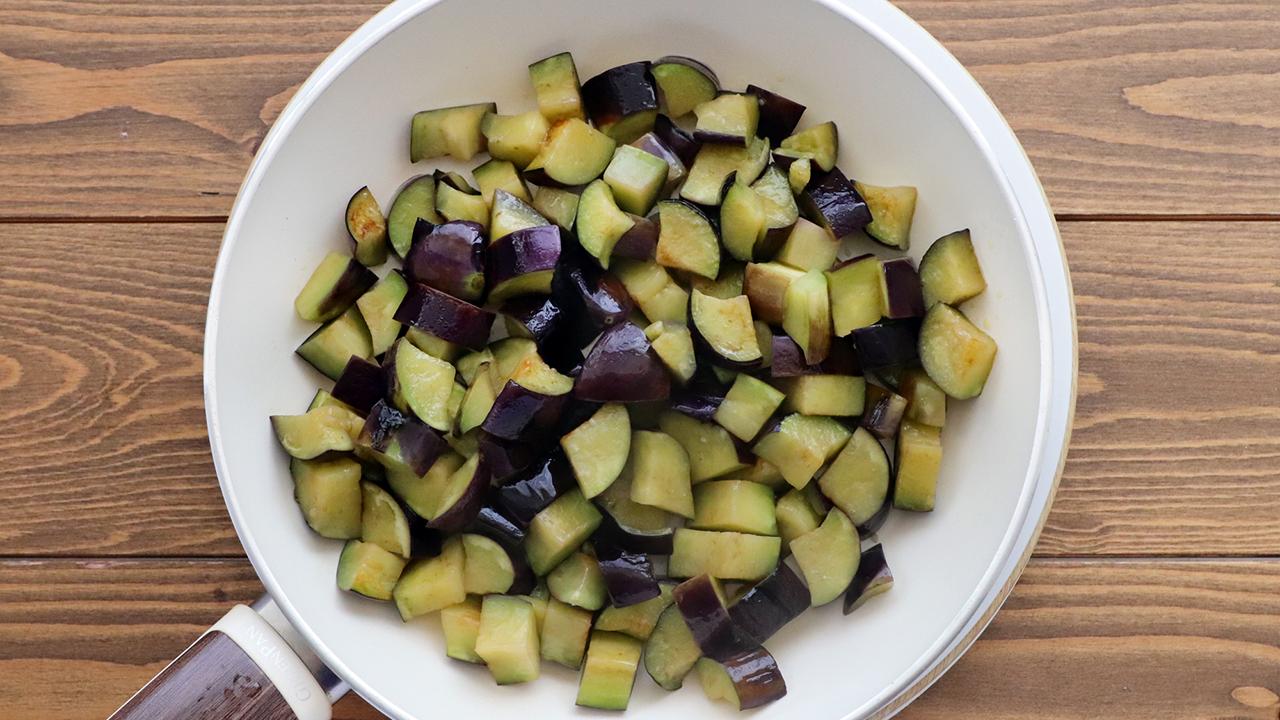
(125, 128)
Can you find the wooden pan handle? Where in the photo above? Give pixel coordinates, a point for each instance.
(242, 669)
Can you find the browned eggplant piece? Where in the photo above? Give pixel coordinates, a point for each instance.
(506, 458)
(463, 497)
(778, 115)
(448, 257)
(542, 483)
(628, 576)
(873, 578)
(387, 430)
(361, 385)
(831, 201)
(884, 411)
(519, 413)
(622, 101)
(445, 316)
(622, 367)
(771, 603)
(657, 542)
(888, 344)
(749, 679)
(680, 142)
(523, 262)
(640, 242)
(902, 296)
(788, 359)
(703, 610)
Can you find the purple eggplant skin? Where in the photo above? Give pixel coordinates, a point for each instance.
(698, 405)
(445, 316)
(902, 289)
(519, 413)
(680, 141)
(618, 92)
(506, 458)
(756, 678)
(604, 298)
(493, 524)
(779, 116)
(676, 170)
(640, 242)
(463, 512)
(876, 521)
(708, 619)
(449, 257)
(873, 577)
(361, 385)
(771, 603)
(576, 411)
(524, 251)
(706, 353)
(632, 540)
(419, 445)
(536, 488)
(424, 541)
(540, 316)
(831, 201)
(888, 344)
(623, 368)
(381, 425)
(628, 576)
(883, 416)
(788, 359)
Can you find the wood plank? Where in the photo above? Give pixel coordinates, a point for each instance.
(155, 108)
(1090, 639)
(1176, 447)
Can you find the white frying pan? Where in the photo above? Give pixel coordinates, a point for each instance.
(908, 114)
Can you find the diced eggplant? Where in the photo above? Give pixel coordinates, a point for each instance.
(507, 354)
(361, 385)
(530, 403)
(565, 630)
(806, 315)
(859, 479)
(378, 307)
(857, 298)
(830, 200)
(640, 242)
(555, 82)
(389, 432)
(884, 412)
(461, 626)
(449, 257)
(659, 296)
(574, 153)
(789, 361)
(686, 239)
(780, 209)
(747, 406)
(367, 569)
(509, 214)
(724, 555)
(597, 449)
(701, 604)
(712, 452)
(493, 524)
(462, 497)
(659, 473)
(328, 494)
(628, 576)
(747, 680)
(514, 138)
(578, 581)
(638, 620)
(367, 227)
(828, 557)
(508, 639)
(734, 506)
(671, 651)
(726, 285)
(901, 287)
(415, 201)
(458, 201)
(802, 444)
(949, 270)
(926, 402)
(679, 140)
(436, 347)
(470, 363)
(496, 175)
(873, 578)
(796, 516)
(621, 367)
(821, 143)
(334, 285)
(445, 316)
(421, 383)
(318, 431)
(330, 347)
(452, 131)
(888, 344)
(420, 493)
(771, 603)
(654, 145)
(540, 319)
(778, 115)
(674, 346)
(523, 262)
(506, 458)
(609, 672)
(683, 83)
(742, 220)
(431, 584)
(919, 450)
(636, 178)
(957, 354)
(556, 531)
(487, 567)
(323, 398)
(832, 395)
(535, 489)
(622, 101)
(557, 205)
(892, 209)
(727, 329)
(765, 285)
(765, 473)
(477, 402)
(799, 174)
(727, 118)
(601, 223)
(598, 299)
(713, 164)
(808, 247)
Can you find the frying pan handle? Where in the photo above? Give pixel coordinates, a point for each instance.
(251, 665)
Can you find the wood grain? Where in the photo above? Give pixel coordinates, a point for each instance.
(155, 108)
(1134, 640)
(1176, 447)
